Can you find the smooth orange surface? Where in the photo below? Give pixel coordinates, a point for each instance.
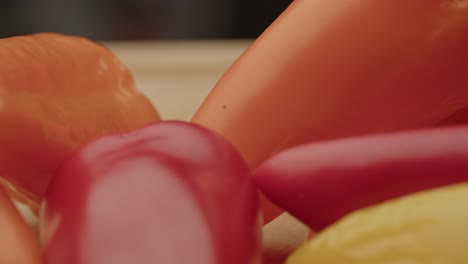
(330, 69)
(56, 93)
(18, 244)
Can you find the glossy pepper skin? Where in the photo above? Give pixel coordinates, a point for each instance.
(18, 244)
(56, 93)
(319, 183)
(172, 192)
(425, 227)
(332, 69)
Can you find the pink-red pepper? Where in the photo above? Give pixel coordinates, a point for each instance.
(172, 192)
(322, 182)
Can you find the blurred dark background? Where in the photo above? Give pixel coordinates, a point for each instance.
(140, 19)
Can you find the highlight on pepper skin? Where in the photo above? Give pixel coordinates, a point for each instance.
(18, 244)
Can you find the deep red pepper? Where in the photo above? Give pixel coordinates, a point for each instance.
(322, 182)
(172, 192)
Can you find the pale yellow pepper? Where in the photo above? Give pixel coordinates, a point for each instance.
(428, 227)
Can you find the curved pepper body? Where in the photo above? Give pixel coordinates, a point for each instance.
(319, 183)
(331, 69)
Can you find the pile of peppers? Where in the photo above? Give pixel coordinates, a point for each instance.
(351, 116)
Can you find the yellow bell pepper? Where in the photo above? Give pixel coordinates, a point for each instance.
(427, 227)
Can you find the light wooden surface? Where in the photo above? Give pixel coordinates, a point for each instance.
(177, 76)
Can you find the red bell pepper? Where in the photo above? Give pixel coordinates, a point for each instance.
(172, 192)
(320, 183)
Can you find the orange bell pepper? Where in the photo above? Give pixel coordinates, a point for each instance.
(18, 244)
(56, 93)
(331, 69)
